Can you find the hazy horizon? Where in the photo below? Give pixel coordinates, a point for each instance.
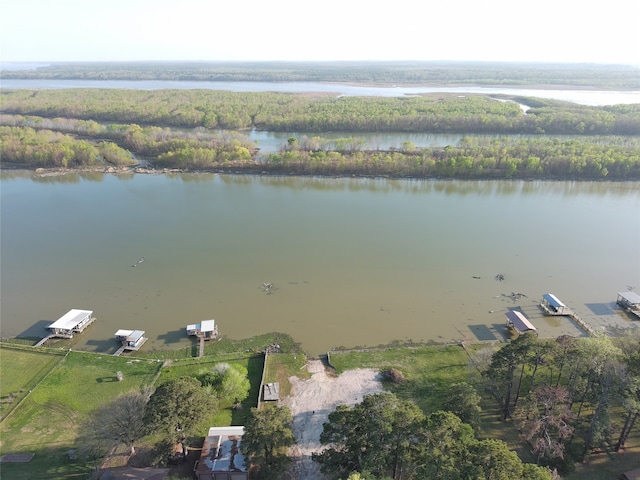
(41, 31)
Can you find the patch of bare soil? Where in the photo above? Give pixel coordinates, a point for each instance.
(312, 400)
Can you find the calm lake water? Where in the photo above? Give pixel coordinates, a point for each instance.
(272, 142)
(584, 97)
(355, 261)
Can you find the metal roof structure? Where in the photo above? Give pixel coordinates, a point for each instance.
(122, 334)
(519, 322)
(222, 455)
(631, 298)
(207, 326)
(553, 300)
(71, 319)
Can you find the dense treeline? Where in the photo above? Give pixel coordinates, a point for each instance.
(440, 73)
(473, 158)
(37, 142)
(26, 147)
(568, 397)
(324, 112)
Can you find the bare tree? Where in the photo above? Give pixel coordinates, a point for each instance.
(121, 420)
(544, 418)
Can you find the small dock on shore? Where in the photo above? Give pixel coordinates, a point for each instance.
(205, 330)
(551, 305)
(132, 340)
(630, 301)
(518, 322)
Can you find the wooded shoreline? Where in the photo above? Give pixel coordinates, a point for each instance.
(203, 131)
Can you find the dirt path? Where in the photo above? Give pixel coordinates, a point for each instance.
(311, 402)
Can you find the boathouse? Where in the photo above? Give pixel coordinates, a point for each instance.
(552, 306)
(206, 329)
(131, 339)
(519, 323)
(629, 301)
(222, 457)
(74, 321)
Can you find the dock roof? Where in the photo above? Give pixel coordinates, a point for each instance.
(632, 298)
(71, 319)
(519, 321)
(553, 300)
(207, 325)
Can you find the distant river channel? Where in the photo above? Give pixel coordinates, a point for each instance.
(353, 262)
(584, 97)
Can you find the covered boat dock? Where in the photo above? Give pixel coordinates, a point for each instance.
(206, 329)
(131, 340)
(519, 323)
(553, 306)
(630, 301)
(72, 322)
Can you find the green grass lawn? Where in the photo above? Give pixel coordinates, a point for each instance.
(50, 417)
(20, 370)
(72, 384)
(226, 415)
(428, 371)
(282, 366)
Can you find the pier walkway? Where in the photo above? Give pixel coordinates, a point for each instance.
(201, 352)
(44, 340)
(120, 351)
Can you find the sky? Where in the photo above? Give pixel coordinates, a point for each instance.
(577, 31)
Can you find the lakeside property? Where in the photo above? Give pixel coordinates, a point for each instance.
(71, 382)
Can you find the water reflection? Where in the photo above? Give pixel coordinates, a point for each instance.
(351, 184)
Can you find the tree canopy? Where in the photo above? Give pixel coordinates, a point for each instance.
(267, 435)
(177, 405)
(386, 436)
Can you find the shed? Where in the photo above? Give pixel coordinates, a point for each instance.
(74, 321)
(271, 391)
(222, 457)
(519, 323)
(552, 305)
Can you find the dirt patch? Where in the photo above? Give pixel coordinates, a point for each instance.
(311, 402)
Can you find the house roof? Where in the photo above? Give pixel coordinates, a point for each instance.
(519, 321)
(71, 319)
(553, 300)
(222, 451)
